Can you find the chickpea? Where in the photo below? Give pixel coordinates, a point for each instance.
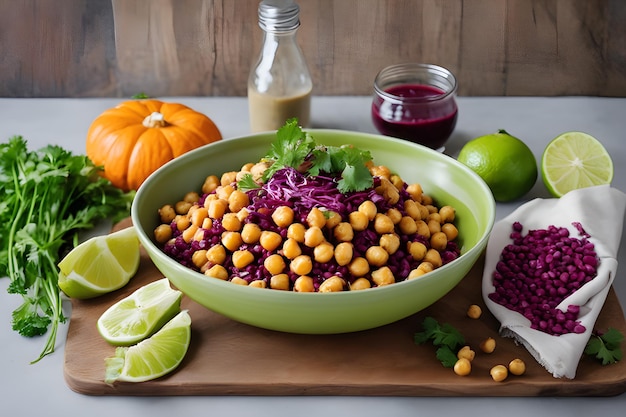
(369, 209)
(242, 214)
(217, 271)
(291, 248)
(434, 257)
(412, 210)
(242, 258)
(182, 207)
(316, 218)
(247, 167)
(228, 178)
(376, 256)
(488, 345)
(237, 200)
(422, 268)
(435, 217)
(433, 226)
(270, 240)
(423, 211)
(462, 367)
(422, 228)
(231, 223)
(275, 264)
(182, 222)
(359, 267)
(216, 254)
(313, 236)
(407, 225)
(217, 208)
(517, 367)
(258, 283)
(383, 224)
(417, 250)
(296, 231)
(259, 169)
(303, 283)
(189, 232)
(323, 252)
(394, 214)
(343, 253)
(388, 191)
(210, 184)
(474, 311)
(250, 233)
(415, 191)
(438, 241)
(198, 215)
(332, 284)
(207, 223)
(389, 242)
(208, 199)
(499, 373)
(467, 353)
(301, 265)
(427, 200)
(358, 221)
(360, 284)
(447, 214)
(279, 282)
(332, 219)
(397, 181)
(343, 232)
(199, 235)
(191, 197)
(231, 240)
(283, 216)
(239, 281)
(383, 276)
(199, 258)
(162, 233)
(167, 213)
(224, 192)
(450, 230)
(380, 171)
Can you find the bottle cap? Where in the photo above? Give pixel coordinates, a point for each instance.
(279, 15)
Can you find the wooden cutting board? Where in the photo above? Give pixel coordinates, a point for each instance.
(230, 358)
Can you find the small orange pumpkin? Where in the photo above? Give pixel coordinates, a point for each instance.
(135, 138)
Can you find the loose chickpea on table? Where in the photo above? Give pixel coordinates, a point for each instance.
(228, 234)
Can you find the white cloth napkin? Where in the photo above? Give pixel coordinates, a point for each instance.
(600, 211)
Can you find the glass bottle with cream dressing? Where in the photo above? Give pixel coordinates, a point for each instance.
(279, 85)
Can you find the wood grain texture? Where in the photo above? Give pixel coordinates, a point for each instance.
(230, 358)
(83, 48)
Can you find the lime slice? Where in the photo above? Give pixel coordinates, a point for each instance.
(153, 357)
(140, 314)
(100, 265)
(575, 160)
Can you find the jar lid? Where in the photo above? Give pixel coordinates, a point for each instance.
(279, 15)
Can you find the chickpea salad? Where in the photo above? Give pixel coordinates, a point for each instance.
(309, 218)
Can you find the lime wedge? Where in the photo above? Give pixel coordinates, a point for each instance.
(153, 357)
(100, 265)
(140, 314)
(575, 160)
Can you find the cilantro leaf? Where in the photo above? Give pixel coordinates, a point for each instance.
(445, 337)
(290, 148)
(605, 347)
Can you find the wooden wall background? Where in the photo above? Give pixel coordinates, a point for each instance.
(83, 48)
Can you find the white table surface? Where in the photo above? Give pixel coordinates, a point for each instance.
(40, 389)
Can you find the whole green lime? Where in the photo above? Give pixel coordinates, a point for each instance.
(504, 162)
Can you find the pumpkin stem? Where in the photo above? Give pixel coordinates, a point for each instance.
(155, 119)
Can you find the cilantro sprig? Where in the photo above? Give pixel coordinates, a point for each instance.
(48, 197)
(295, 148)
(445, 337)
(605, 346)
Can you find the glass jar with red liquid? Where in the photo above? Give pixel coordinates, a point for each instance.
(415, 102)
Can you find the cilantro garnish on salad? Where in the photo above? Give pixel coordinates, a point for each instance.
(295, 148)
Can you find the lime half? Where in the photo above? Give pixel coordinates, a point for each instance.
(575, 160)
(153, 357)
(100, 265)
(140, 314)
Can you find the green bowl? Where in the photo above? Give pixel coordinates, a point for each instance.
(446, 180)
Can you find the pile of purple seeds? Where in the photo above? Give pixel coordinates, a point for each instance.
(538, 270)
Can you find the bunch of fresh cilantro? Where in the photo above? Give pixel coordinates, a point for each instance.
(445, 337)
(605, 346)
(48, 197)
(296, 149)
